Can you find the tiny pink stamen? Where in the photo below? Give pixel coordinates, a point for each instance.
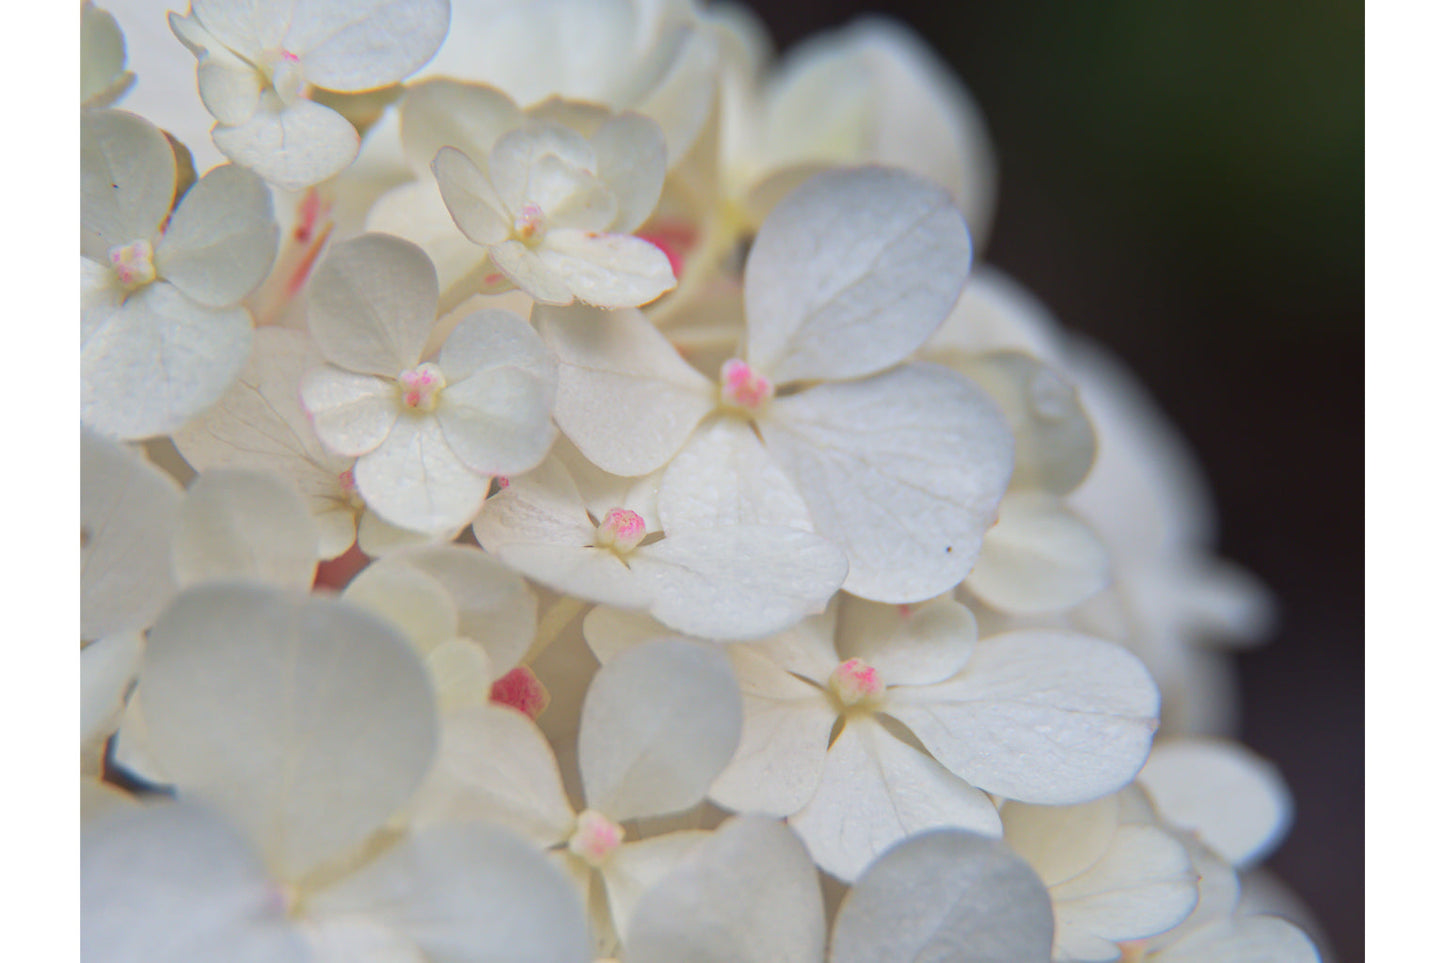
(744, 388)
(134, 263)
(530, 222)
(621, 530)
(289, 57)
(421, 387)
(520, 689)
(595, 838)
(855, 682)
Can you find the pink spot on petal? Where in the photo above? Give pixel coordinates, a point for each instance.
(493, 278)
(521, 690)
(289, 57)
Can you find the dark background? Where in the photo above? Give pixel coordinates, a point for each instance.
(1185, 182)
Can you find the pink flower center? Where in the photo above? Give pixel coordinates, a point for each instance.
(595, 838)
(521, 690)
(421, 387)
(855, 682)
(530, 222)
(744, 388)
(134, 263)
(620, 530)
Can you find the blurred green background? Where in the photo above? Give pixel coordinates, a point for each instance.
(1185, 182)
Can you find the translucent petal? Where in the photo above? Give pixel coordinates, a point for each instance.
(875, 791)
(851, 273)
(903, 471)
(724, 476)
(127, 180)
(470, 197)
(292, 146)
(351, 413)
(268, 704)
(449, 113)
(1234, 800)
(524, 268)
(625, 397)
(749, 894)
(246, 26)
(469, 892)
(409, 599)
(229, 86)
(997, 314)
(173, 883)
(354, 45)
(1039, 716)
(609, 631)
(245, 524)
(345, 938)
(158, 361)
(1061, 842)
(519, 175)
(462, 676)
(222, 238)
(494, 606)
(1250, 939)
(607, 270)
(682, 100)
(127, 513)
(102, 52)
(809, 649)
(907, 644)
(945, 895)
(659, 723)
(638, 866)
(1038, 558)
(415, 480)
(101, 295)
(107, 668)
(602, 492)
(632, 161)
(373, 303)
(743, 582)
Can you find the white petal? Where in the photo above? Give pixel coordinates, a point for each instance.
(292, 147)
(351, 413)
(784, 743)
(609, 631)
(353, 45)
(470, 197)
(222, 238)
(107, 668)
(245, 524)
(524, 268)
(632, 161)
(246, 26)
(607, 270)
(851, 273)
(659, 722)
(997, 313)
(415, 480)
(127, 513)
(158, 361)
(743, 582)
(638, 866)
(494, 606)
(1061, 842)
(101, 295)
(344, 938)
(876, 791)
(749, 894)
(173, 883)
(904, 471)
(409, 599)
(373, 303)
(279, 707)
(1250, 939)
(1039, 716)
(461, 675)
(907, 644)
(945, 895)
(102, 53)
(229, 86)
(493, 764)
(1234, 800)
(472, 893)
(602, 491)
(682, 101)
(378, 538)
(625, 397)
(724, 476)
(809, 649)
(518, 171)
(449, 113)
(127, 180)
(1144, 885)
(1039, 558)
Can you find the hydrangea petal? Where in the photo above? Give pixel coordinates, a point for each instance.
(632, 161)
(415, 480)
(469, 892)
(158, 361)
(102, 54)
(245, 524)
(903, 471)
(246, 26)
(607, 270)
(264, 702)
(625, 397)
(1061, 842)
(292, 146)
(409, 599)
(724, 476)
(469, 197)
(230, 87)
(127, 180)
(494, 606)
(222, 238)
(373, 303)
(351, 413)
(748, 894)
(742, 582)
(851, 273)
(101, 295)
(1040, 716)
(173, 883)
(516, 164)
(659, 722)
(1039, 557)
(107, 668)
(945, 895)
(638, 866)
(907, 644)
(442, 113)
(1251, 939)
(525, 268)
(874, 792)
(128, 510)
(1234, 800)
(352, 45)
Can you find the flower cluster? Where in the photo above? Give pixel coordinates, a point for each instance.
(562, 489)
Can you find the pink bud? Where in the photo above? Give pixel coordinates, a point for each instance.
(521, 690)
(744, 388)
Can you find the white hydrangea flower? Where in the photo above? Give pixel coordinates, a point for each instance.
(723, 582)
(555, 210)
(427, 436)
(817, 425)
(237, 524)
(256, 61)
(161, 333)
(302, 767)
(103, 77)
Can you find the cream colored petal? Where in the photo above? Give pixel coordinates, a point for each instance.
(245, 524)
(1038, 558)
(221, 241)
(373, 302)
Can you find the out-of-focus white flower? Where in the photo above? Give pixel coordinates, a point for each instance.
(256, 61)
(237, 524)
(427, 436)
(727, 581)
(161, 334)
(817, 424)
(103, 77)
